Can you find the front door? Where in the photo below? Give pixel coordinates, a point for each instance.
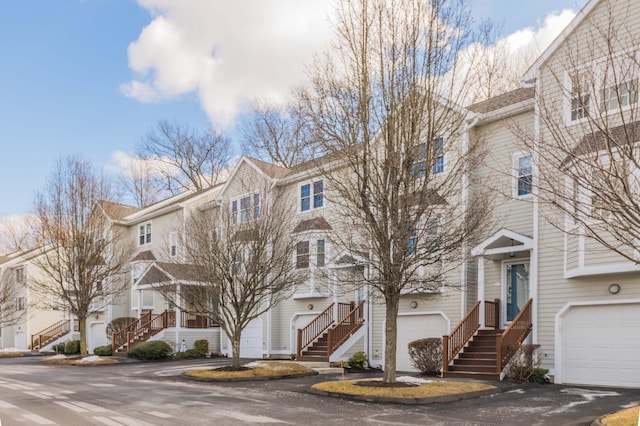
(517, 288)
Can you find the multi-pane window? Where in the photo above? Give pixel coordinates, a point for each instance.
(144, 234)
(619, 96)
(432, 233)
(302, 254)
(249, 208)
(524, 176)
(20, 275)
(438, 155)
(20, 303)
(312, 195)
(412, 242)
(320, 253)
(580, 96)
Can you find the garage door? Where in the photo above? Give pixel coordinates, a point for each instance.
(601, 345)
(414, 327)
(97, 336)
(251, 340)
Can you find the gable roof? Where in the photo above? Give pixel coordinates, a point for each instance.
(504, 100)
(168, 273)
(116, 211)
(606, 139)
(315, 224)
(530, 75)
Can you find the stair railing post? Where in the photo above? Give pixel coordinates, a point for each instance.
(497, 314)
(445, 353)
(329, 341)
(299, 341)
(129, 340)
(498, 353)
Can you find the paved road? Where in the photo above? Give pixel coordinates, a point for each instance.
(153, 394)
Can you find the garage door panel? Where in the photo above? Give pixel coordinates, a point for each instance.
(601, 345)
(414, 327)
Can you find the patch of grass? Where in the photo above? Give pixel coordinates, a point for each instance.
(76, 361)
(628, 417)
(424, 390)
(261, 369)
(7, 354)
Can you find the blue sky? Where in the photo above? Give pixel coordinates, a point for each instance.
(91, 77)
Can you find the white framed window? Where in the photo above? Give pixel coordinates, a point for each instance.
(20, 303)
(618, 77)
(412, 243)
(619, 96)
(302, 255)
(173, 244)
(245, 208)
(136, 271)
(438, 155)
(20, 275)
(320, 253)
(522, 185)
(311, 195)
(580, 83)
(144, 234)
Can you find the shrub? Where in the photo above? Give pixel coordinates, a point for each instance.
(59, 348)
(156, 349)
(524, 366)
(358, 360)
(189, 353)
(102, 350)
(426, 355)
(201, 346)
(72, 347)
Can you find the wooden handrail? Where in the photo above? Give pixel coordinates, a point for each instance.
(507, 343)
(152, 327)
(315, 328)
(492, 313)
(461, 334)
(340, 332)
(51, 333)
(119, 338)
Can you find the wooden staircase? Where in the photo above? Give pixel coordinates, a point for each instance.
(469, 352)
(324, 335)
(478, 359)
(52, 333)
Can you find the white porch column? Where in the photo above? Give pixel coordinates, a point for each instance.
(481, 289)
(178, 317)
(139, 303)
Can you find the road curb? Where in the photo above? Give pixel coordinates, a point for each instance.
(409, 401)
(247, 379)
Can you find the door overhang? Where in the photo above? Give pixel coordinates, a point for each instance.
(504, 242)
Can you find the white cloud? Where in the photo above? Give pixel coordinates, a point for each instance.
(227, 52)
(232, 52)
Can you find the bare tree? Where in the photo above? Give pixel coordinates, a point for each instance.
(389, 119)
(84, 255)
(17, 233)
(192, 159)
(277, 133)
(10, 290)
(243, 259)
(587, 155)
(141, 179)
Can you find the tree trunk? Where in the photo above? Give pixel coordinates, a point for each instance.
(392, 302)
(235, 351)
(82, 324)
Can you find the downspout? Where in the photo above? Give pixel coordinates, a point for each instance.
(270, 310)
(470, 124)
(178, 316)
(533, 261)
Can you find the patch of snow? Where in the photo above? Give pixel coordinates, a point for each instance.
(13, 350)
(410, 379)
(630, 405)
(520, 391)
(92, 358)
(59, 356)
(588, 395)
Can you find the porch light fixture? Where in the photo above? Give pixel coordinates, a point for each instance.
(413, 304)
(614, 288)
(310, 306)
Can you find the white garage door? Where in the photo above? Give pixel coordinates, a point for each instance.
(414, 327)
(251, 340)
(601, 345)
(97, 336)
